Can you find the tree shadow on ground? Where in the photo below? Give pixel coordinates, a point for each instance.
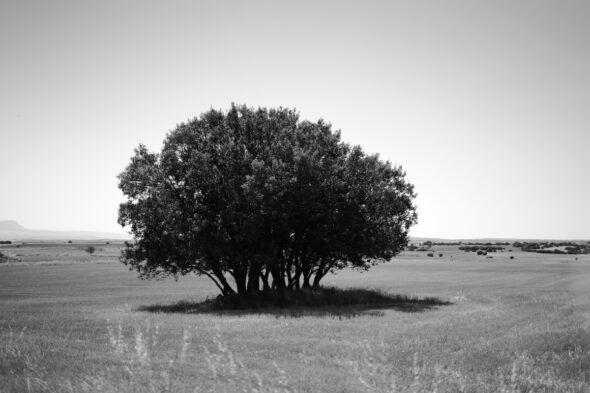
(322, 302)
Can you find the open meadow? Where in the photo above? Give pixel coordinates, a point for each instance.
(73, 322)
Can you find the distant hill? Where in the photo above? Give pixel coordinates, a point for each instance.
(12, 230)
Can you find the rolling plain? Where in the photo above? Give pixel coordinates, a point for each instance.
(75, 322)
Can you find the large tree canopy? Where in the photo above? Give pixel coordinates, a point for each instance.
(257, 199)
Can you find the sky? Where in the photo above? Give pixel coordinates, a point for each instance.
(485, 104)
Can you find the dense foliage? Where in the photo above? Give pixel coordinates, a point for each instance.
(264, 198)
(553, 247)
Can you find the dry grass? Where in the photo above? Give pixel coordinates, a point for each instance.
(518, 325)
(48, 253)
(139, 367)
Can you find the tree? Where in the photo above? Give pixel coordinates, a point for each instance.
(90, 249)
(262, 199)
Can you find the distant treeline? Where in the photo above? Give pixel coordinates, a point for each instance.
(5, 242)
(550, 247)
(483, 248)
(429, 243)
(540, 247)
(467, 246)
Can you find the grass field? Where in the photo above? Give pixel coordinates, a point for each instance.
(71, 322)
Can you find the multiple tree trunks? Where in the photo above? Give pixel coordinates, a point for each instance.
(255, 277)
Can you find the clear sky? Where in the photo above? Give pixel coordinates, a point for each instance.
(486, 104)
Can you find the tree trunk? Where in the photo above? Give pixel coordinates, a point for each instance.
(321, 271)
(297, 281)
(264, 278)
(254, 278)
(297, 276)
(317, 279)
(227, 289)
(240, 279)
(290, 282)
(306, 280)
(278, 281)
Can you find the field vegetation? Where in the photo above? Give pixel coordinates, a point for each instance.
(66, 252)
(555, 247)
(75, 322)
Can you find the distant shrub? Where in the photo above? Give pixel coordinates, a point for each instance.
(69, 241)
(511, 256)
(90, 249)
(475, 248)
(108, 243)
(578, 249)
(440, 255)
(430, 254)
(556, 251)
(479, 252)
(550, 247)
